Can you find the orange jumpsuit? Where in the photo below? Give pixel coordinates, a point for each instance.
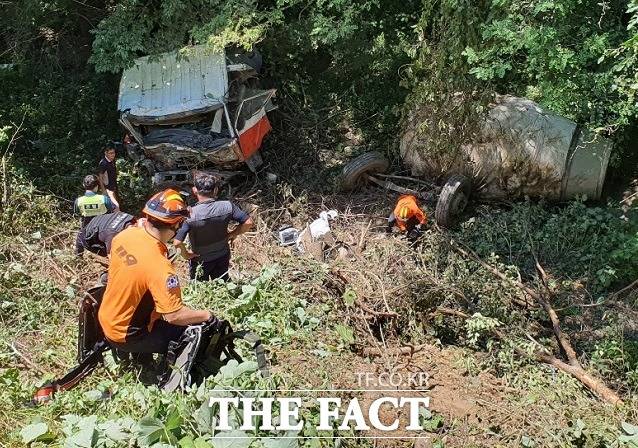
(407, 213)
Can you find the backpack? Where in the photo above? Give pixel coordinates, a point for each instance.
(200, 352)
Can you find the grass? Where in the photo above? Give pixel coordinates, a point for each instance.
(309, 314)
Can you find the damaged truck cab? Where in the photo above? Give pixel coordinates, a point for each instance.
(194, 109)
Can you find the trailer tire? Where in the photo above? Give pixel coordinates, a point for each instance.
(367, 163)
(452, 200)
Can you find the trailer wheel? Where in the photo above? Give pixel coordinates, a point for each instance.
(352, 175)
(453, 200)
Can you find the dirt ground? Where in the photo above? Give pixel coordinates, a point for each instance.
(373, 263)
(477, 407)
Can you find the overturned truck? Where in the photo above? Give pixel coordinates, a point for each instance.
(193, 109)
(519, 149)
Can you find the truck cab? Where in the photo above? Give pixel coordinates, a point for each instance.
(195, 108)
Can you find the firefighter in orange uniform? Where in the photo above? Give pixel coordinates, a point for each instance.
(142, 310)
(407, 216)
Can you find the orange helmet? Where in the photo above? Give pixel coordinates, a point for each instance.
(166, 206)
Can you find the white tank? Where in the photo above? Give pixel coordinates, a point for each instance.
(521, 149)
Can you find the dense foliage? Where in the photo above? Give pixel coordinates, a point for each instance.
(343, 69)
(577, 58)
(346, 73)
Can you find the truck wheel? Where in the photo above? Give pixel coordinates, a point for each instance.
(453, 200)
(352, 175)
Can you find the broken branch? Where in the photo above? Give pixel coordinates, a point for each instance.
(563, 339)
(542, 355)
(407, 350)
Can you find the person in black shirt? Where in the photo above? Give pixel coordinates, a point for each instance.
(107, 173)
(99, 233)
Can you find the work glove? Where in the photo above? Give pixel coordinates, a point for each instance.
(415, 233)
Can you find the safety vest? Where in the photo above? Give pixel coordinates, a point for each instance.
(94, 205)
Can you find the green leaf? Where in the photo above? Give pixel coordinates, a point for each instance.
(578, 428)
(349, 297)
(114, 431)
(91, 395)
(629, 441)
(82, 439)
(301, 314)
(204, 418)
(36, 432)
(233, 369)
(425, 414)
(527, 442)
(432, 424)
(186, 442)
(149, 431)
(345, 333)
(629, 428)
(232, 439)
(248, 293)
(201, 442)
(174, 420)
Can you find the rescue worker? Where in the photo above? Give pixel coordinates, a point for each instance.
(107, 172)
(89, 206)
(207, 228)
(142, 309)
(407, 216)
(99, 233)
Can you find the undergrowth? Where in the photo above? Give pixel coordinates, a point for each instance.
(587, 252)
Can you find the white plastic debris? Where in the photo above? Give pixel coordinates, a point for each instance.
(320, 226)
(288, 236)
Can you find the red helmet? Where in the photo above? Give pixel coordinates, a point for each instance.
(166, 206)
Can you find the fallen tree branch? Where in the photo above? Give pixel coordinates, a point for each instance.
(407, 350)
(26, 361)
(364, 232)
(622, 291)
(563, 339)
(104, 261)
(469, 253)
(367, 309)
(542, 355)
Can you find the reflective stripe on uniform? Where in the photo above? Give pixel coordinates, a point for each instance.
(92, 205)
(172, 197)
